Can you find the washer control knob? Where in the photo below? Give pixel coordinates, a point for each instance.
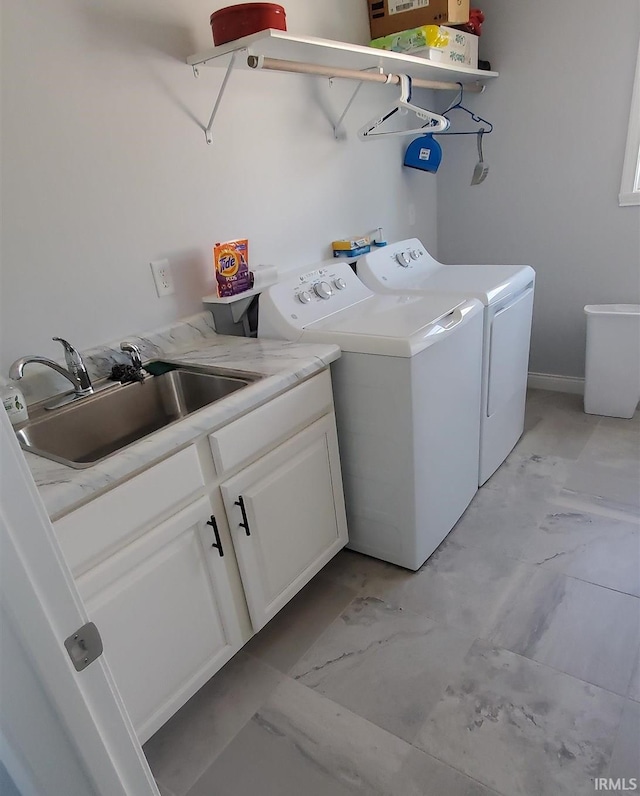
(403, 259)
(323, 290)
(339, 283)
(414, 254)
(304, 297)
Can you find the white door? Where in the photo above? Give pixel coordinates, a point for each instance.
(38, 594)
(287, 519)
(165, 611)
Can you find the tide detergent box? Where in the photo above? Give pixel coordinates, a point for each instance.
(231, 264)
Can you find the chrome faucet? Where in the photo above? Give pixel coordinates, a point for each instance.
(76, 372)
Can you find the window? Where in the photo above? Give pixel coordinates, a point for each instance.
(630, 188)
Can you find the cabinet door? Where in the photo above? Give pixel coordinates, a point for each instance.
(164, 609)
(292, 505)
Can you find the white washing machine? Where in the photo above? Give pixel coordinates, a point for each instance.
(407, 396)
(506, 291)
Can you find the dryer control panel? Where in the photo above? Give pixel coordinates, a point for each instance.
(398, 263)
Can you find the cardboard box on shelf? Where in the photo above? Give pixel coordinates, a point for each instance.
(392, 16)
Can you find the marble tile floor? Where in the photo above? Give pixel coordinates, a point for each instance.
(509, 664)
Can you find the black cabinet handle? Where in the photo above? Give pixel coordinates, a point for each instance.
(217, 544)
(245, 522)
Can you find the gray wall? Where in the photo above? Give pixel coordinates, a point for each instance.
(105, 166)
(560, 109)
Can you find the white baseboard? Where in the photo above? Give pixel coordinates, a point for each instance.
(547, 381)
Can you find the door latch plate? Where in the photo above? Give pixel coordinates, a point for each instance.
(84, 646)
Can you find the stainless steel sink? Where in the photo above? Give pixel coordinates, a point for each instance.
(88, 430)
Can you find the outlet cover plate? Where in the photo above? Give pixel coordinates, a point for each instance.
(162, 277)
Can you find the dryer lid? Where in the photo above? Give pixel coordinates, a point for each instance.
(407, 266)
(487, 283)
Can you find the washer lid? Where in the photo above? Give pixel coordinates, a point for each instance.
(387, 325)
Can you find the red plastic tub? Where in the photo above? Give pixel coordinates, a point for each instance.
(234, 22)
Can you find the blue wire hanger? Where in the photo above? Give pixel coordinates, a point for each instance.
(457, 105)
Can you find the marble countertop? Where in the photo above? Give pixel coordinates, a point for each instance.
(282, 364)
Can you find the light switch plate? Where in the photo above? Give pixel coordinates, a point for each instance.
(162, 277)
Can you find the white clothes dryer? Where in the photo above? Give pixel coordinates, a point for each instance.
(506, 291)
(407, 397)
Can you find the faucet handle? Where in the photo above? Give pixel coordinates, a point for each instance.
(75, 364)
(134, 351)
(70, 354)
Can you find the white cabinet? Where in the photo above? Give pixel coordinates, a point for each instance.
(286, 514)
(103, 525)
(175, 597)
(165, 611)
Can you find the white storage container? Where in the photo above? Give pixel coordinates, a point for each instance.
(612, 377)
(461, 49)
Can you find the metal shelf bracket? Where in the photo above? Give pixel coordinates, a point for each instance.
(196, 73)
(337, 127)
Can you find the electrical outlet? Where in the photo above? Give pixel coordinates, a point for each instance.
(162, 277)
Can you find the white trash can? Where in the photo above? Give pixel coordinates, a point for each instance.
(612, 376)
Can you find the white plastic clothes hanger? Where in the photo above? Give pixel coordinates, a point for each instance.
(429, 121)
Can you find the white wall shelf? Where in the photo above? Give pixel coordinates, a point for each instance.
(323, 52)
(278, 50)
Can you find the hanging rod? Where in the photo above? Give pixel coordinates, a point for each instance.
(299, 67)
